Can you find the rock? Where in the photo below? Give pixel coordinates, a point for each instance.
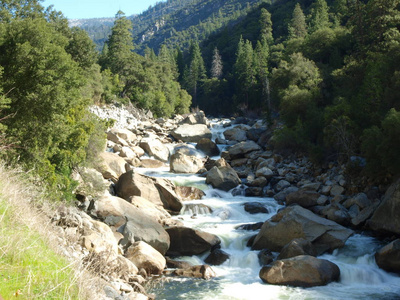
(127, 152)
(264, 172)
(188, 193)
(386, 217)
(191, 133)
(148, 207)
(217, 257)
(297, 247)
(124, 134)
(235, 134)
(258, 182)
(282, 184)
(361, 200)
(265, 257)
(208, 147)
(281, 196)
(363, 215)
(254, 134)
(151, 164)
(336, 190)
(254, 192)
(255, 208)
(252, 226)
(157, 190)
(388, 257)
(202, 271)
(154, 147)
(187, 241)
(297, 222)
(303, 198)
(337, 213)
(311, 186)
(146, 257)
(196, 209)
(117, 212)
(300, 271)
(210, 163)
(112, 165)
(91, 182)
(241, 149)
(223, 178)
(181, 163)
(116, 139)
(177, 264)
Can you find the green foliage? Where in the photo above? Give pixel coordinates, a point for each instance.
(319, 16)
(297, 27)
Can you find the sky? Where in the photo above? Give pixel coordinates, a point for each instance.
(83, 9)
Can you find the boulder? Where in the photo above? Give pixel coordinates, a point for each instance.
(255, 208)
(151, 164)
(388, 257)
(300, 271)
(264, 172)
(127, 152)
(208, 147)
(157, 190)
(297, 247)
(235, 134)
(177, 264)
(188, 193)
(386, 217)
(298, 222)
(223, 178)
(217, 257)
(361, 200)
(337, 213)
(191, 133)
(125, 134)
(154, 147)
(146, 257)
(117, 212)
(303, 198)
(112, 165)
(201, 271)
(148, 207)
(188, 241)
(265, 257)
(250, 226)
(336, 190)
(241, 149)
(181, 163)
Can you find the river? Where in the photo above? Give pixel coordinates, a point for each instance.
(238, 277)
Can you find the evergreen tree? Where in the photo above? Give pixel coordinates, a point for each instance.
(266, 27)
(216, 65)
(319, 16)
(297, 27)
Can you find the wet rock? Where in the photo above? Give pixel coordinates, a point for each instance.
(300, 271)
(254, 192)
(201, 271)
(177, 264)
(217, 257)
(223, 178)
(181, 163)
(297, 222)
(188, 193)
(187, 241)
(196, 209)
(146, 257)
(208, 147)
(255, 208)
(303, 198)
(252, 226)
(265, 257)
(388, 257)
(191, 133)
(297, 247)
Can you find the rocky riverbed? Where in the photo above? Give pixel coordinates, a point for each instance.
(124, 227)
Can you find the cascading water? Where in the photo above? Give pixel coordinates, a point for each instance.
(221, 213)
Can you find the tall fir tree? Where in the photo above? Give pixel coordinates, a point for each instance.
(319, 16)
(266, 27)
(297, 27)
(216, 65)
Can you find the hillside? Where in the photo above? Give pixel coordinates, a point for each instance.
(174, 22)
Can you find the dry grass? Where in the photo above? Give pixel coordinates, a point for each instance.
(31, 264)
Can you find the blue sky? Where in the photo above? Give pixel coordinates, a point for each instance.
(81, 9)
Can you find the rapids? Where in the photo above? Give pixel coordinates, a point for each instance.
(238, 277)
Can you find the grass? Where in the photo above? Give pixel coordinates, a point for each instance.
(30, 266)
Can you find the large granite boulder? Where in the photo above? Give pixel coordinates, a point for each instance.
(386, 217)
(300, 271)
(223, 178)
(297, 222)
(111, 166)
(154, 147)
(241, 149)
(181, 163)
(188, 193)
(235, 134)
(297, 247)
(122, 133)
(208, 147)
(157, 190)
(388, 257)
(134, 222)
(146, 257)
(191, 133)
(303, 198)
(188, 241)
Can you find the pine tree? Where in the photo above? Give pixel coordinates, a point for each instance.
(266, 27)
(297, 27)
(319, 16)
(216, 66)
